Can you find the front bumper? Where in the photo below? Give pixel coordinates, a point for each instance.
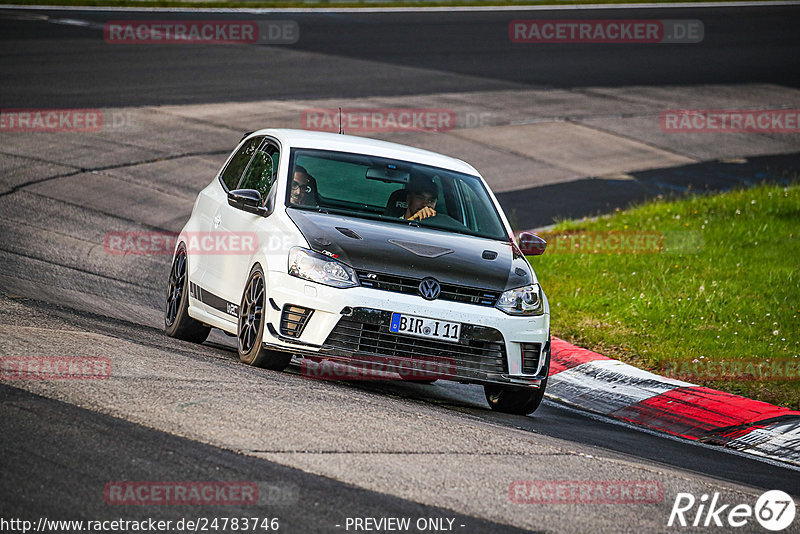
(353, 325)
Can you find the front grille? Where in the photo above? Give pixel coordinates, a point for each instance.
(410, 286)
(365, 336)
(294, 319)
(531, 352)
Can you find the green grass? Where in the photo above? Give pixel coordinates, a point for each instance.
(726, 286)
(255, 4)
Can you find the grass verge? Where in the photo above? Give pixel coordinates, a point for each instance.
(721, 285)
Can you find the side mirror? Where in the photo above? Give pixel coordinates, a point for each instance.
(531, 244)
(248, 200)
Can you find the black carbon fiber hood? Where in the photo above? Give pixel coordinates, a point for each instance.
(410, 251)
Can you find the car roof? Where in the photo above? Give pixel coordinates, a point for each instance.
(362, 145)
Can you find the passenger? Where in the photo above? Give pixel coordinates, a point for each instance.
(304, 188)
(421, 196)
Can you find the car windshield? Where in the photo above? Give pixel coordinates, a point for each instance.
(392, 190)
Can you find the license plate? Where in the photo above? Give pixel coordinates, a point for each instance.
(425, 327)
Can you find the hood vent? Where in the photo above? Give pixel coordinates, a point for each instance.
(348, 232)
(421, 249)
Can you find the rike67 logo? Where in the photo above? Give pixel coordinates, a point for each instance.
(774, 510)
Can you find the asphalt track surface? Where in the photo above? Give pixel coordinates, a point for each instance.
(60, 448)
(371, 54)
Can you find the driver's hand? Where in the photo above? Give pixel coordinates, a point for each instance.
(424, 213)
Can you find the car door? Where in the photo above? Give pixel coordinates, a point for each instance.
(238, 231)
(215, 201)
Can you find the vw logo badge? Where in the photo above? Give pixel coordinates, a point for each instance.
(429, 288)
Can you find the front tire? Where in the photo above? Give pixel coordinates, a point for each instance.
(514, 400)
(177, 322)
(250, 333)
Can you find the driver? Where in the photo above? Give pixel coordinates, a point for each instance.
(303, 188)
(421, 195)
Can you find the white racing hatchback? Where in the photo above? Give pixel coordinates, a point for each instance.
(350, 252)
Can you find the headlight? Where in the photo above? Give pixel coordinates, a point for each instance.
(309, 265)
(526, 300)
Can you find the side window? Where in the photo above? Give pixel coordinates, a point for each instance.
(262, 172)
(480, 212)
(233, 171)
